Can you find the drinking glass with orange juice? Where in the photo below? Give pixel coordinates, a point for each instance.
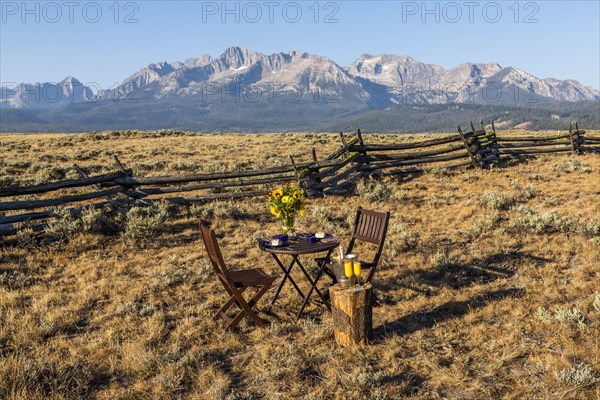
(357, 269)
(350, 266)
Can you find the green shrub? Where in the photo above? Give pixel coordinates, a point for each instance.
(575, 165)
(526, 192)
(402, 238)
(496, 201)
(529, 220)
(400, 195)
(145, 222)
(319, 217)
(91, 220)
(578, 375)
(596, 303)
(570, 316)
(49, 174)
(65, 225)
(218, 210)
(485, 225)
(543, 314)
(373, 190)
(590, 228)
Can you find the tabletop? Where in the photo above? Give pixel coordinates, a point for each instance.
(300, 245)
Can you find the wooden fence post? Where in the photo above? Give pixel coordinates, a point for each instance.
(344, 143)
(576, 138)
(363, 152)
(122, 168)
(85, 176)
(488, 153)
(296, 171)
(310, 181)
(481, 146)
(471, 145)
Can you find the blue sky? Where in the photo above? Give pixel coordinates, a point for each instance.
(106, 41)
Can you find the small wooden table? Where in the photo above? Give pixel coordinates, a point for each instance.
(295, 248)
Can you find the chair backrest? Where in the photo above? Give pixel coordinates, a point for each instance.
(370, 226)
(214, 253)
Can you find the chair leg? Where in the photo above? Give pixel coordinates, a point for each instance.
(246, 310)
(228, 304)
(234, 321)
(225, 307)
(259, 293)
(246, 307)
(222, 315)
(370, 276)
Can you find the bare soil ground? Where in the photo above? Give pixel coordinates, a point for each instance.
(489, 287)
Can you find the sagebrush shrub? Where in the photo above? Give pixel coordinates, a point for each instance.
(402, 238)
(577, 375)
(144, 222)
(64, 225)
(400, 195)
(373, 190)
(218, 210)
(590, 228)
(575, 165)
(50, 174)
(319, 217)
(91, 220)
(530, 220)
(496, 201)
(570, 316)
(485, 225)
(543, 314)
(596, 303)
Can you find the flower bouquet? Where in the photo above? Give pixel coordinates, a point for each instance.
(285, 203)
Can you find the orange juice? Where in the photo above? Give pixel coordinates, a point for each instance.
(357, 268)
(348, 269)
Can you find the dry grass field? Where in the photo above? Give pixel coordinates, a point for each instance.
(489, 286)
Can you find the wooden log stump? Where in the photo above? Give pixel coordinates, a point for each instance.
(352, 314)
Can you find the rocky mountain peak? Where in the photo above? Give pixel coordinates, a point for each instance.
(371, 80)
(198, 62)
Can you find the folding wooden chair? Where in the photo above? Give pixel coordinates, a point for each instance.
(369, 226)
(235, 283)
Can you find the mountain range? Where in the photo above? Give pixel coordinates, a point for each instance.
(241, 83)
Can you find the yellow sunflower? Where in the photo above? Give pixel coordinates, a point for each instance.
(275, 212)
(277, 193)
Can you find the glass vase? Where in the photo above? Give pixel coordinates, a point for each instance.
(288, 226)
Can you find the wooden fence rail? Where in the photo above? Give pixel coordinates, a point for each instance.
(334, 174)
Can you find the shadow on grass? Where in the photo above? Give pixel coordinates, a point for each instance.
(458, 275)
(513, 160)
(418, 320)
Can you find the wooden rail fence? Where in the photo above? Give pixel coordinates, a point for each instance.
(354, 160)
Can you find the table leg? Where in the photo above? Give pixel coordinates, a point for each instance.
(313, 285)
(285, 276)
